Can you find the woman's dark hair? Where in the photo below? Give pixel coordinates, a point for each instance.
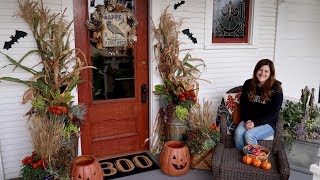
(268, 86)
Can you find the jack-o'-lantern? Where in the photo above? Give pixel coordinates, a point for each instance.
(86, 167)
(175, 158)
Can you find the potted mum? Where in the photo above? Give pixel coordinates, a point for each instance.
(54, 120)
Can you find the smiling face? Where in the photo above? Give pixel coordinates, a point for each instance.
(263, 74)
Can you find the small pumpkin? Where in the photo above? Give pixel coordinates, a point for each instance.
(266, 165)
(247, 159)
(256, 162)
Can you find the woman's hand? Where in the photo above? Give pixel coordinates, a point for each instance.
(249, 124)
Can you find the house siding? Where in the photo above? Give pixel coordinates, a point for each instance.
(297, 47)
(278, 33)
(14, 138)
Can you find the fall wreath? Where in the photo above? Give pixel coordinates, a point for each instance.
(112, 27)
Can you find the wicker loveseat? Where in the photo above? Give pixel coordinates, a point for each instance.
(227, 164)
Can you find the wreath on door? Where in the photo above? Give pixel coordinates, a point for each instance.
(112, 28)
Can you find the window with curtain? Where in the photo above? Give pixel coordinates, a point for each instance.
(231, 20)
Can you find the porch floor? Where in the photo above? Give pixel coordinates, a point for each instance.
(195, 174)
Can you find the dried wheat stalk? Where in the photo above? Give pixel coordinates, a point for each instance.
(47, 137)
(202, 117)
(168, 45)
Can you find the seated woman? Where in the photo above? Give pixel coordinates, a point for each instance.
(260, 104)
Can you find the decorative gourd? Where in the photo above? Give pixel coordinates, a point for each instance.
(86, 167)
(266, 165)
(247, 159)
(256, 162)
(175, 158)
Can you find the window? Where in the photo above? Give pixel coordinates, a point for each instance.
(230, 21)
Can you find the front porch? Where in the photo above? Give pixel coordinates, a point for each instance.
(196, 174)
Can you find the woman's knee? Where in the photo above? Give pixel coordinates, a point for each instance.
(250, 137)
(238, 134)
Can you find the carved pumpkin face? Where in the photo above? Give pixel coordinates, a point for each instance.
(175, 158)
(179, 162)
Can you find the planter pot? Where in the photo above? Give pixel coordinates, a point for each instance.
(303, 154)
(175, 158)
(174, 131)
(86, 167)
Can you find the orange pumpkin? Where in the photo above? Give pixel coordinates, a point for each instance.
(86, 167)
(256, 162)
(175, 158)
(266, 165)
(247, 159)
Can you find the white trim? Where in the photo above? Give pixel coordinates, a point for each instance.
(208, 31)
(276, 32)
(1, 165)
(154, 14)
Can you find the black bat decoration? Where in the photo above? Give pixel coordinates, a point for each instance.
(15, 38)
(92, 3)
(187, 32)
(176, 5)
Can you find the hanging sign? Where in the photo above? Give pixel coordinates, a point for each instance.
(112, 27)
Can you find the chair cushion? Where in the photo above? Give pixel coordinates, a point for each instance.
(231, 100)
(232, 104)
(232, 165)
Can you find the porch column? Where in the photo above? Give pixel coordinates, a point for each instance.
(315, 168)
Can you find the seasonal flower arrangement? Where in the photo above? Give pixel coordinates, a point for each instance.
(203, 133)
(33, 167)
(301, 119)
(54, 119)
(177, 99)
(178, 93)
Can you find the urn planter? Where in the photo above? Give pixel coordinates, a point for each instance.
(303, 154)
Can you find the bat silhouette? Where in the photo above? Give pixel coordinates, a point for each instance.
(15, 38)
(176, 5)
(187, 32)
(92, 3)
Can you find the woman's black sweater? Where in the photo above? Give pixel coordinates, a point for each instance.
(260, 112)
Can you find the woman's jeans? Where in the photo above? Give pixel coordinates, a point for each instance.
(243, 137)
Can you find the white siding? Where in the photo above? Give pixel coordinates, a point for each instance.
(14, 140)
(298, 49)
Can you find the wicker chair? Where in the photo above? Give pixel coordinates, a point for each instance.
(227, 164)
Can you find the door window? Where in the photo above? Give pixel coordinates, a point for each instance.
(114, 76)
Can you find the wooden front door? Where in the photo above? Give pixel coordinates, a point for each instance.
(115, 92)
